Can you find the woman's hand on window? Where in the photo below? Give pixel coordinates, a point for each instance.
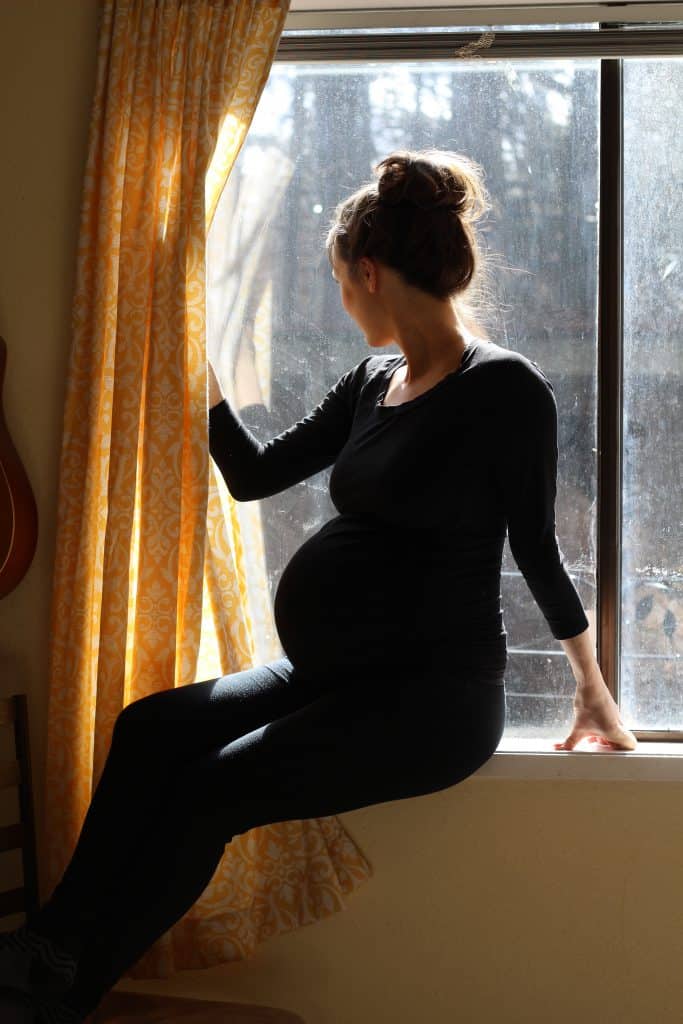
(215, 391)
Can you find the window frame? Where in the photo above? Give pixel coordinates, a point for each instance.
(326, 14)
(610, 42)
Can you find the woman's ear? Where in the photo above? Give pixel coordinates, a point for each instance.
(369, 273)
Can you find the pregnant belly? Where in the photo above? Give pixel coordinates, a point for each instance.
(359, 598)
(333, 608)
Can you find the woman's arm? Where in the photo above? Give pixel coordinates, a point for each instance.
(528, 477)
(253, 470)
(529, 481)
(580, 651)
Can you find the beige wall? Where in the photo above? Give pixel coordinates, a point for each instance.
(499, 901)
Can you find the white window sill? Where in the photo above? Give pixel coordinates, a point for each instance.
(536, 759)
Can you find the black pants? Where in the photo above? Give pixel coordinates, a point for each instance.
(193, 766)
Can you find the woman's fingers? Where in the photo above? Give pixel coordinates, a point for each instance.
(625, 741)
(569, 744)
(575, 736)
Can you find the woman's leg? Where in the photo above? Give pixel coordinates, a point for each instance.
(153, 740)
(349, 748)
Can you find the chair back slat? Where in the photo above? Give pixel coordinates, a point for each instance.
(6, 711)
(22, 834)
(10, 774)
(11, 836)
(12, 901)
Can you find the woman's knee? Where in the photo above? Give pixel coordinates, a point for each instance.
(139, 720)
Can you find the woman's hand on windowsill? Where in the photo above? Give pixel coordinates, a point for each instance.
(598, 721)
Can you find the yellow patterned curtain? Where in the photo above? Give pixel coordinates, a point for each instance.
(143, 527)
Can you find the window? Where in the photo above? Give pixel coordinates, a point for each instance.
(277, 329)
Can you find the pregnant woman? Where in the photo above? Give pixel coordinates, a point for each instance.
(389, 615)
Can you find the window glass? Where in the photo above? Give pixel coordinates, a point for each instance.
(281, 338)
(652, 474)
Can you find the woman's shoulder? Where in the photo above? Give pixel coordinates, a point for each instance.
(369, 369)
(508, 367)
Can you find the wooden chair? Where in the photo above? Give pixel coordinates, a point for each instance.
(21, 835)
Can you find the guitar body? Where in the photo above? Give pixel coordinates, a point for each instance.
(18, 511)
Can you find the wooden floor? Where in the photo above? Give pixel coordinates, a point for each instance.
(127, 1007)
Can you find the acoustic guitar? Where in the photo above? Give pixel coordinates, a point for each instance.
(18, 512)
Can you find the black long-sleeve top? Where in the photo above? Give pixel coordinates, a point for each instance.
(407, 575)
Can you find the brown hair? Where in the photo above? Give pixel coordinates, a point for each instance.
(418, 219)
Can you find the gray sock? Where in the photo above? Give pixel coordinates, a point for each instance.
(58, 1013)
(36, 963)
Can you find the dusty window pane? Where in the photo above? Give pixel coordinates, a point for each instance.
(279, 334)
(652, 510)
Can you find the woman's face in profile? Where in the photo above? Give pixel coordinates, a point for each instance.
(359, 302)
(347, 286)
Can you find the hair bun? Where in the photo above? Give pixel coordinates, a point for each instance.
(405, 178)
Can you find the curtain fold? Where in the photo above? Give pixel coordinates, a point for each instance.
(143, 528)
